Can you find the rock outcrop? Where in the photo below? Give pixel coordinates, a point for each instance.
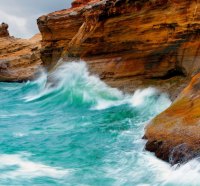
(4, 30)
(130, 44)
(174, 135)
(19, 58)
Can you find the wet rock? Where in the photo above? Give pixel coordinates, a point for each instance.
(181, 154)
(174, 135)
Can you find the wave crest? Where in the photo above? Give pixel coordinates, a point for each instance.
(72, 84)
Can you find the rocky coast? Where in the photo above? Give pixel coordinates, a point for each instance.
(129, 44)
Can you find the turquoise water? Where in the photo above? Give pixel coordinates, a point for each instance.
(72, 129)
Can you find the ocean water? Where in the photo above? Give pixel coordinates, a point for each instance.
(69, 128)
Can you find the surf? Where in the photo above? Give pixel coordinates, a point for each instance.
(67, 127)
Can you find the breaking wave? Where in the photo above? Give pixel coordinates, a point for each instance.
(77, 130)
(73, 84)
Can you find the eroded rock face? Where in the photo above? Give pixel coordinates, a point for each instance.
(4, 30)
(174, 135)
(78, 3)
(19, 58)
(128, 43)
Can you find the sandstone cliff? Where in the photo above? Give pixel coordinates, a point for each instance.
(130, 44)
(19, 58)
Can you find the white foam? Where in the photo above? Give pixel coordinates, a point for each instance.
(40, 81)
(73, 80)
(26, 168)
(187, 174)
(19, 134)
(104, 104)
(161, 168)
(158, 172)
(139, 96)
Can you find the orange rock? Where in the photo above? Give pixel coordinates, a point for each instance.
(137, 41)
(19, 58)
(177, 127)
(78, 3)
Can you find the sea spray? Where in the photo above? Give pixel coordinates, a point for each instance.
(73, 82)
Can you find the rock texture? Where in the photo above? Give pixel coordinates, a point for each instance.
(4, 30)
(19, 58)
(174, 135)
(129, 43)
(78, 3)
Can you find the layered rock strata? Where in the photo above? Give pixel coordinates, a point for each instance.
(129, 44)
(19, 58)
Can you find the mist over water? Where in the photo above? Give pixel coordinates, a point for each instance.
(69, 128)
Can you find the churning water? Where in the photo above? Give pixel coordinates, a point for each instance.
(70, 128)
